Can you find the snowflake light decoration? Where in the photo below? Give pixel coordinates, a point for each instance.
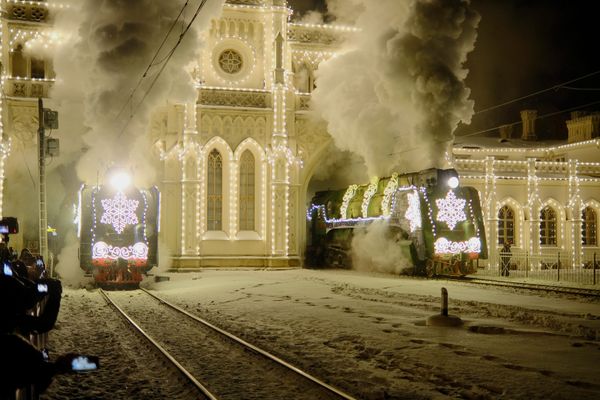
(451, 210)
(413, 213)
(119, 212)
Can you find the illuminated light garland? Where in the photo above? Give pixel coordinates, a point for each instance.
(445, 246)
(119, 212)
(339, 28)
(231, 89)
(350, 192)
(25, 78)
(337, 222)
(413, 212)
(368, 195)
(451, 209)
(389, 190)
(102, 250)
(534, 150)
(38, 3)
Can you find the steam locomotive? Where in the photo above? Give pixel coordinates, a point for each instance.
(436, 222)
(118, 232)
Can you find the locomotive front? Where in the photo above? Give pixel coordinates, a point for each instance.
(435, 221)
(118, 232)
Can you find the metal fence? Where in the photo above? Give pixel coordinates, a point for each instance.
(548, 266)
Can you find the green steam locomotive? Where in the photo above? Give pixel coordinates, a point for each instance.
(435, 221)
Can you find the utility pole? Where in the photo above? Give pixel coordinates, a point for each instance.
(46, 119)
(43, 222)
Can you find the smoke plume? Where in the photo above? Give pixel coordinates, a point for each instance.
(100, 50)
(395, 94)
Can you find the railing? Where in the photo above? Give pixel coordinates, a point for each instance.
(549, 266)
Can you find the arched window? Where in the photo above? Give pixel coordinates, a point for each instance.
(548, 227)
(247, 185)
(215, 191)
(506, 225)
(19, 62)
(589, 227)
(38, 68)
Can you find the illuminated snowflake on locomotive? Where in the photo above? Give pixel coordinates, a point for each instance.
(118, 232)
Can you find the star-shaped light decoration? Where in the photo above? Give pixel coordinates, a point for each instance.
(413, 212)
(451, 210)
(119, 211)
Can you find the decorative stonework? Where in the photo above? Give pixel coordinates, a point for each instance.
(313, 36)
(310, 137)
(233, 98)
(27, 12)
(233, 129)
(247, 2)
(231, 61)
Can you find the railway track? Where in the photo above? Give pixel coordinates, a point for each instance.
(219, 364)
(592, 293)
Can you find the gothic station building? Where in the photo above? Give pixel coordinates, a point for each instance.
(236, 164)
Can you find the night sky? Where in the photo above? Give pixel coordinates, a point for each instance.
(523, 47)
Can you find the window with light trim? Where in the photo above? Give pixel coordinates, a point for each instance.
(589, 227)
(506, 225)
(548, 225)
(215, 191)
(247, 187)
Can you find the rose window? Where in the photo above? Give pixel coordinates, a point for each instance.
(230, 61)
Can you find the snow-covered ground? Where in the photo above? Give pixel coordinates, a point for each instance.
(366, 333)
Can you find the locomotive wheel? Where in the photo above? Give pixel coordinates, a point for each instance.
(430, 268)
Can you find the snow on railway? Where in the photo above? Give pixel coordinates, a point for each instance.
(365, 333)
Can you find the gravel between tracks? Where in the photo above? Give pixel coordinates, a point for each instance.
(128, 368)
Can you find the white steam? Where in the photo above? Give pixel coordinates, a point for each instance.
(375, 249)
(396, 93)
(106, 48)
(68, 263)
(100, 50)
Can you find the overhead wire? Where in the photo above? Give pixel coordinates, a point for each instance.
(152, 63)
(497, 127)
(555, 87)
(540, 117)
(170, 54)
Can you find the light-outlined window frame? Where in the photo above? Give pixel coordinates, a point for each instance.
(214, 191)
(548, 226)
(247, 192)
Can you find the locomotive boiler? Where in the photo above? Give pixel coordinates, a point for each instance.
(118, 232)
(436, 222)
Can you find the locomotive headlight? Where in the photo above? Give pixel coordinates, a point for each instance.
(120, 180)
(453, 182)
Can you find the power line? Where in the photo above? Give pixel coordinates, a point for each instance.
(579, 88)
(497, 127)
(170, 54)
(151, 64)
(555, 87)
(540, 117)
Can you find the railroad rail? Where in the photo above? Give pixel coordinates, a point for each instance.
(205, 392)
(593, 293)
(326, 390)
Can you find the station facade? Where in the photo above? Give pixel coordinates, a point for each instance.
(236, 164)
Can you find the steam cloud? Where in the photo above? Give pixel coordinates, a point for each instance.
(100, 52)
(373, 249)
(395, 94)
